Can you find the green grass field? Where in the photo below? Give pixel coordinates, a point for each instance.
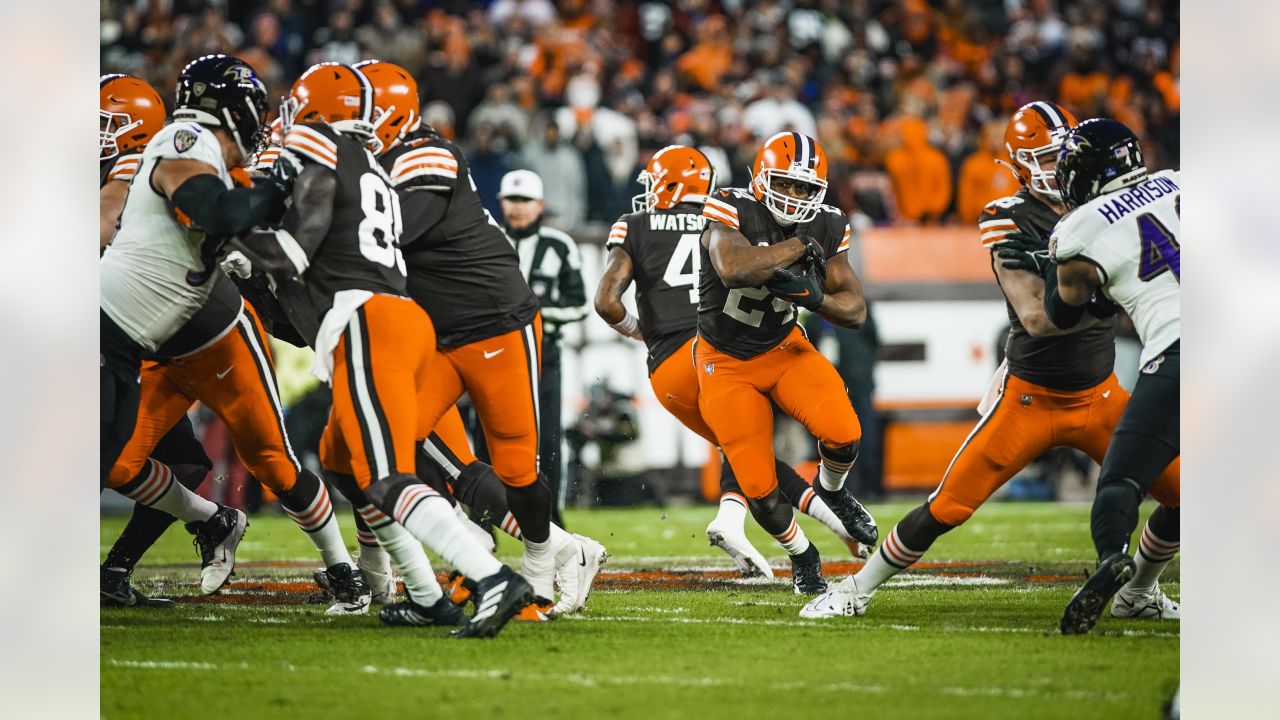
(975, 636)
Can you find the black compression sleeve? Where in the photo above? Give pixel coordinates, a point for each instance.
(223, 212)
(1059, 312)
(421, 208)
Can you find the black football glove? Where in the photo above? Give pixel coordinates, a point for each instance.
(814, 256)
(803, 290)
(1101, 307)
(1021, 251)
(283, 173)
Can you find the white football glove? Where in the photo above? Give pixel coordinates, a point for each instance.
(235, 263)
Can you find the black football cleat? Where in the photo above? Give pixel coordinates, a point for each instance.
(408, 613)
(855, 518)
(1087, 604)
(346, 587)
(216, 540)
(114, 590)
(806, 572)
(498, 598)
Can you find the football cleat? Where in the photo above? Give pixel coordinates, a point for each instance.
(734, 542)
(498, 598)
(540, 610)
(114, 590)
(806, 572)
(575, 575)
(216, 540)
(346, 587)
(408, 613)
(855, 518)
(842, 600)
(857, 549)
(1152, 604)
(459, 588)
(377, 575)
(1091, 599)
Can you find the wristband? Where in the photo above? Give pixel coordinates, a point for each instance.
(628, 325)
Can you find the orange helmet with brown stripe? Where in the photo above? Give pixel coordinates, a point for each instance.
(129, 112)
(800, 163)
(1033, 139)
(334, 93)
(675, 174)
(395, 102)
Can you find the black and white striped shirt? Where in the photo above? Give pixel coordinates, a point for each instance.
(552, 264)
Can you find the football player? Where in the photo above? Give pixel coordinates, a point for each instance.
(130, 112)
(766, 250)
(465, 275)
(1121, 238)
(656, 246)
(1056, 386)
(160, 270)
(340, 279)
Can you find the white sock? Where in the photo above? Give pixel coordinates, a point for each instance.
(429, 518)
(891, 559)
(415, 568)
(832, 474)
(540, 566)
(321, 525)
(479, 533)
(374, 557)
(160, 491)
(816, 508)
(732, 512)
(1153, 556)
(793, 540)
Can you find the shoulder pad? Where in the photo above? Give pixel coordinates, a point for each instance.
(315, 142)
(124, 167)
(998, 219)
(185, 141)
(727, 205)
(424, 163)
(266, 159)
(618, 233)
(1072, 234)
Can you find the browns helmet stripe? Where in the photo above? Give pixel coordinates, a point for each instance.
(1050, 115)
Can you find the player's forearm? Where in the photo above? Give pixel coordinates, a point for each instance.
(846, 309)
(1059, 309)
(742, 265)
(609, 305)
(224, 212)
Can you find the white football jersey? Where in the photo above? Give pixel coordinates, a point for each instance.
(144, 283)
(1133, 236)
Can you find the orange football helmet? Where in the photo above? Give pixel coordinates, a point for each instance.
(333, 93)
(129, 112)
(675, 174)
(1035, 135)
(395, 102)
(799, 158)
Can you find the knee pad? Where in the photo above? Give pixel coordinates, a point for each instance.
(430, 472)
(845, 454)
(774, 515)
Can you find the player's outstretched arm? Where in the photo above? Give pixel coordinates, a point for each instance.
(1067, 292)
(741, 264)
(1025, 292)
(287, 251)
(615, 281)
(196, 192)
(843, 302)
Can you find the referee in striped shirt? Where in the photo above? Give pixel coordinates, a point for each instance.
(551, 263)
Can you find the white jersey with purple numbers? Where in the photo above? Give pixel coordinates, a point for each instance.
(1134, 237)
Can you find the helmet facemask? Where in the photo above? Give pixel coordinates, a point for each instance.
(112, 127)
(1043, 182)
(788, 210)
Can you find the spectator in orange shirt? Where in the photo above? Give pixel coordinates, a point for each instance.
(708, 61)
(982, 179)
(920, 174)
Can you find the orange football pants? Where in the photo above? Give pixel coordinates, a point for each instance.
(675, 383)
(234, 378)
(1025, 421)
(380, 366)
(734, 398)
(501, 374)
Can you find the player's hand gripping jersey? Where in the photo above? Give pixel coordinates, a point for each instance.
(360, 252)
(1133, 236)
(1063, 362)
(665, 249)
(157, 272)
(462, 269)
(744, 322)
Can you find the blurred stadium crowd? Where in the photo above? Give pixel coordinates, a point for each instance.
(908, 97)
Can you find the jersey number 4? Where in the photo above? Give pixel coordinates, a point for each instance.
(684, 256)
(380, 228)
(1159, 250)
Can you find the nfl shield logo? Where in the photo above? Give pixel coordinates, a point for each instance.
(709, 368)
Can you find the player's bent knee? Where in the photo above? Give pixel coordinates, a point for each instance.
(384, 493)
(949, 511)
(347, 485)
(846, 453)
(920, 527)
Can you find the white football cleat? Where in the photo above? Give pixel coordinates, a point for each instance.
(376, 569)
(842, 600)
(1149, 605)
(734, 542)
(217, 539)
(575, 575)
